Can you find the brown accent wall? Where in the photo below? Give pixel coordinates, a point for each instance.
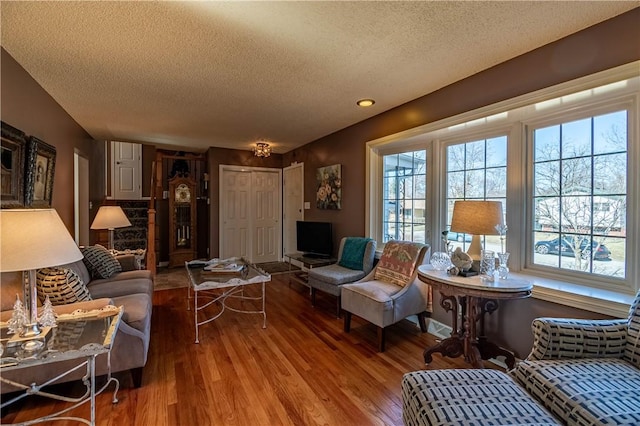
(603, 46)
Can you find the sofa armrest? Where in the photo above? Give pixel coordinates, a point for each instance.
(128, 262)
(560, 338)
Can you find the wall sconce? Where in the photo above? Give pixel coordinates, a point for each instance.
(262, 149)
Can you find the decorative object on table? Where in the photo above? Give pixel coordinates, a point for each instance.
(476, 217)
(48, 317)
(447, 242)
(19, 317)
(33, 239)
(40, 169)
(488, 265)
(110, 217)
(462, 261)
(503, 268)
(13, 155)
(503, 257)
(440, 261)
(329, 193)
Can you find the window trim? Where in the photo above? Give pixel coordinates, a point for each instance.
(433, 136)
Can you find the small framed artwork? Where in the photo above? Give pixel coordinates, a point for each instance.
(41, 166)
(329, 193)
(12, 157)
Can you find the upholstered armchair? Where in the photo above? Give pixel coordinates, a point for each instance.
(391, 291)
(355, 260)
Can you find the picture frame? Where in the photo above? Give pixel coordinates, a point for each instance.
(12, 158)
(40, 171)
(329, 190)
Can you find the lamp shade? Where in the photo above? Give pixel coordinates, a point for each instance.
(33, 239)
(110, 217)
(476, 217)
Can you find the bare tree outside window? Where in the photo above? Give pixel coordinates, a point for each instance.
(579, 189)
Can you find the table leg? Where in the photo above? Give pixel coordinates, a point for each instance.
(451, 346)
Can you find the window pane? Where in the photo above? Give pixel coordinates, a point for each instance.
(455, 157)
(497, 152)
(579, 197)
(404, 195)
(474, 155)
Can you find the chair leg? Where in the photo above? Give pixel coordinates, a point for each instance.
(347, 321)
(313, 296)
(338, 306)
(136, 376)
(381, 339)
(422, 320)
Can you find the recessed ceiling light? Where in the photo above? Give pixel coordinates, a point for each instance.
(365, 102)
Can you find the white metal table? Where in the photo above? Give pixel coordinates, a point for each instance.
(219, 287)
(81, 336)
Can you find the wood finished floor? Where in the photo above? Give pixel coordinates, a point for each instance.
(303, 369)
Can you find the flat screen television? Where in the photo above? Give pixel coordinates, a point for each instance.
(314, 239)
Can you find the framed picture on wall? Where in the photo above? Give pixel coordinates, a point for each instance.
(329, 193)
(41, 165)
(12, 157)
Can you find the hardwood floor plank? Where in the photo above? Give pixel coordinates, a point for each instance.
(303, 369)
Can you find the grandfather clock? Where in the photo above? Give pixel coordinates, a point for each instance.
(182, 221)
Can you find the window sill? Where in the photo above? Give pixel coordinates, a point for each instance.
(578, 296)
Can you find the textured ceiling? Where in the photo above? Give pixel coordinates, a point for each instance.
(201, 74)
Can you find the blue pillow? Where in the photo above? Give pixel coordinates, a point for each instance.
(353, 252)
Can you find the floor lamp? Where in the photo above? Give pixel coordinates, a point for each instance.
(110, 217)
(34, 239)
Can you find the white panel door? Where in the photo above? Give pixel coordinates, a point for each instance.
(293, 205)
(235, 217)
(266, 216)
(126, 177)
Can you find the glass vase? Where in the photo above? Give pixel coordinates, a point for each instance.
(440, 261)
(503, 268)
(487, 265)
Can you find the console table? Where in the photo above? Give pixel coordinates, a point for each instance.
(79, 336)
(470, 298)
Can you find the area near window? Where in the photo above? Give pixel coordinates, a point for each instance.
(559, 161)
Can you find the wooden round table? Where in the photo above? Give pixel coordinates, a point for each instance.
(469, 298)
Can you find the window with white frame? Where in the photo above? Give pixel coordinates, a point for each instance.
(573, 194)
(579, 193)
(476, 170)
(404, 196)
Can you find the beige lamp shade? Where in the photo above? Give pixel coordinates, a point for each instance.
(110, 217)
(34, 239)
(476, 217)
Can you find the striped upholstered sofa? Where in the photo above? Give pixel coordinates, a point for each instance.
(586, 372)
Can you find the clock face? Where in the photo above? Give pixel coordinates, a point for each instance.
(183, 194)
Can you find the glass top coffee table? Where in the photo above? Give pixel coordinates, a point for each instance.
(219, 285)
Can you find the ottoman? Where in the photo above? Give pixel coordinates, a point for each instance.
(468, 397)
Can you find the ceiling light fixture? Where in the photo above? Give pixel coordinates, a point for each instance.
(365, 102)
(262, 149)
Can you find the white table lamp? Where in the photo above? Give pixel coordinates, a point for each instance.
(34, 239)
(110, 217)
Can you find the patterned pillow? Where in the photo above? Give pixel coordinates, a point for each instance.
(398, 261)
(63, 286)
(100, 262)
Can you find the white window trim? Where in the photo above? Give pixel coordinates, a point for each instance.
(614, 303)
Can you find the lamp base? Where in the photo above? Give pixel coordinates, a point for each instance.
(32, 345)
(31, 331)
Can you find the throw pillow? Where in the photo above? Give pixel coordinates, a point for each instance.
(100, 262)
(63, 286)
(353, 253)
(398, 261)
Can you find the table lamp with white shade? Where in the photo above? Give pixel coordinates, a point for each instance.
(33, 239)
(476, 217)
(110, 217)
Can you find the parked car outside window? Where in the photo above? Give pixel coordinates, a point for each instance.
(565, 248)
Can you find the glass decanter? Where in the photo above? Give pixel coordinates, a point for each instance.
(503, 268)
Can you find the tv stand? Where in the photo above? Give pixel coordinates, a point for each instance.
(316, 256)
(308, 262)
